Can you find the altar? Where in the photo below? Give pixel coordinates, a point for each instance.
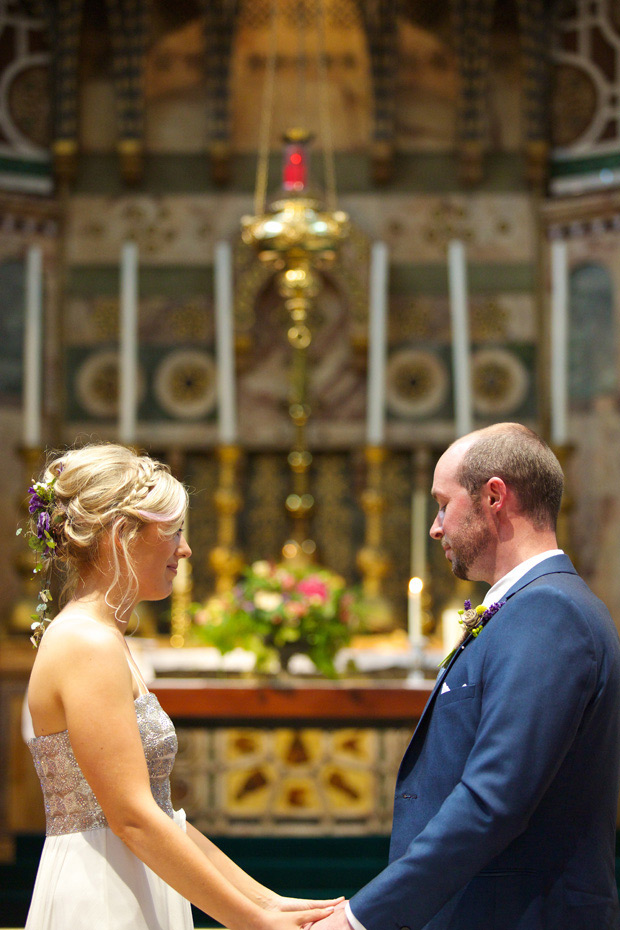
(302, 758)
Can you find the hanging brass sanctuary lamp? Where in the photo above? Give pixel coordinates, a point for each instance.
(298, 236)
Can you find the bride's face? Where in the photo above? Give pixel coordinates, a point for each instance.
(155, 557)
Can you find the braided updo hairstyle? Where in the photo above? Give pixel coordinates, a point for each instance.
(105, 488)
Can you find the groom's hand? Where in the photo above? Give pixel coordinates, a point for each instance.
(336, 921)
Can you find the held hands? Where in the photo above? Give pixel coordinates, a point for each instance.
(337, 920)
(300, 912)
(297, 904)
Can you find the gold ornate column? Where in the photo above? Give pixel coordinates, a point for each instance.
(225, 559)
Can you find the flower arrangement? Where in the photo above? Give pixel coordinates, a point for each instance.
(278, 610)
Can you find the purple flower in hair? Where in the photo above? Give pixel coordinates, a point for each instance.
(42, 543)
(36, 502)
(43, 524)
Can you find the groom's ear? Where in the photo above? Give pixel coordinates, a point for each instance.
(495, 493)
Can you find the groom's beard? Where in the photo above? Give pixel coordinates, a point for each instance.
(467, 544)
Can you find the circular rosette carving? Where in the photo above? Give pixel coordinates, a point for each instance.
(500, 381)
(27, 93)
(96, 384)
(417, 383)
(185, 385)
(568, 123)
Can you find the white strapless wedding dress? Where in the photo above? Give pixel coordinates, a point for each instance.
(87, 878)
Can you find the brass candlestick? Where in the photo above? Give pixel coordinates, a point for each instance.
(225, 559)
(180, 620)
(371, 559)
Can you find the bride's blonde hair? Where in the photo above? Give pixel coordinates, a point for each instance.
(103, 489)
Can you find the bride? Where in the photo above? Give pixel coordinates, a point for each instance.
(117, 856)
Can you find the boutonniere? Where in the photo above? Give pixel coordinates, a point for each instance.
(473, 620)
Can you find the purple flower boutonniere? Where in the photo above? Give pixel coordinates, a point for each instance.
(473, 620)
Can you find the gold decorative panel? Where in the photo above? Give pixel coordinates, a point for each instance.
(288, 780)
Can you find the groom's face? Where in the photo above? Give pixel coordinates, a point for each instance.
(460, 524)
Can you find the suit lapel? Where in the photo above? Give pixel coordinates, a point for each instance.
(550, 566)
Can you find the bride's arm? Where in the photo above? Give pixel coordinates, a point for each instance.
(262, 895)
(94, 685)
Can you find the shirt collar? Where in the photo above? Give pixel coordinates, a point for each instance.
(503, 586)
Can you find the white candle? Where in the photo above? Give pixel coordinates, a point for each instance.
(559, 342)
(461, 366)
(451, 629)
(33, 340)
(224, 344)
(414, 611)
(377, 340)
(128, 360)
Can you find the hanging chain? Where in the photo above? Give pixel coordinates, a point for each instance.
(328, 148)
(262, 170)
(302, 64)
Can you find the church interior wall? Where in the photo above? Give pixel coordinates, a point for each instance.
(177, 213)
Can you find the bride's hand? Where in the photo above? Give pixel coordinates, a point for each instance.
(281, 903)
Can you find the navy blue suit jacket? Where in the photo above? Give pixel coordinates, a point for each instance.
(505, 805)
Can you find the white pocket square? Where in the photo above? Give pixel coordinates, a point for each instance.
(445, 687)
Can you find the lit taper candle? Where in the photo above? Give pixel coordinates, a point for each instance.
(559, 343)
(461, 363)
(225, 344)
(128, 356)
(377, 342)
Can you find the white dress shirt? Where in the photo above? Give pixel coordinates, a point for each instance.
(503, 586)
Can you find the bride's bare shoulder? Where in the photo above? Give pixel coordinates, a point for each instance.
(78, 661)
(75, 638)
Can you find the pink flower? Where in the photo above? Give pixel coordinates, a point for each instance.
(295, 609)
(313, 588)
(287, 581)
(200, 618)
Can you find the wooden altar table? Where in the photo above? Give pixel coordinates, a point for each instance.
(309, 702)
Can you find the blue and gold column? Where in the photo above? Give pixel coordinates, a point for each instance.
(471, 23)
(219, 19)
(128, 25)
(65, 23)
(534, 25)
(382, 36)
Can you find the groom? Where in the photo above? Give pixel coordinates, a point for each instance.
(505, 807)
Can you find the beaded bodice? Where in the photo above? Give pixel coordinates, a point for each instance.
(70, 805)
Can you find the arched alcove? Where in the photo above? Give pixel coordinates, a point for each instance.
(592, 351)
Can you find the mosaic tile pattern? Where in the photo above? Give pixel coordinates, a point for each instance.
(288, 780)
